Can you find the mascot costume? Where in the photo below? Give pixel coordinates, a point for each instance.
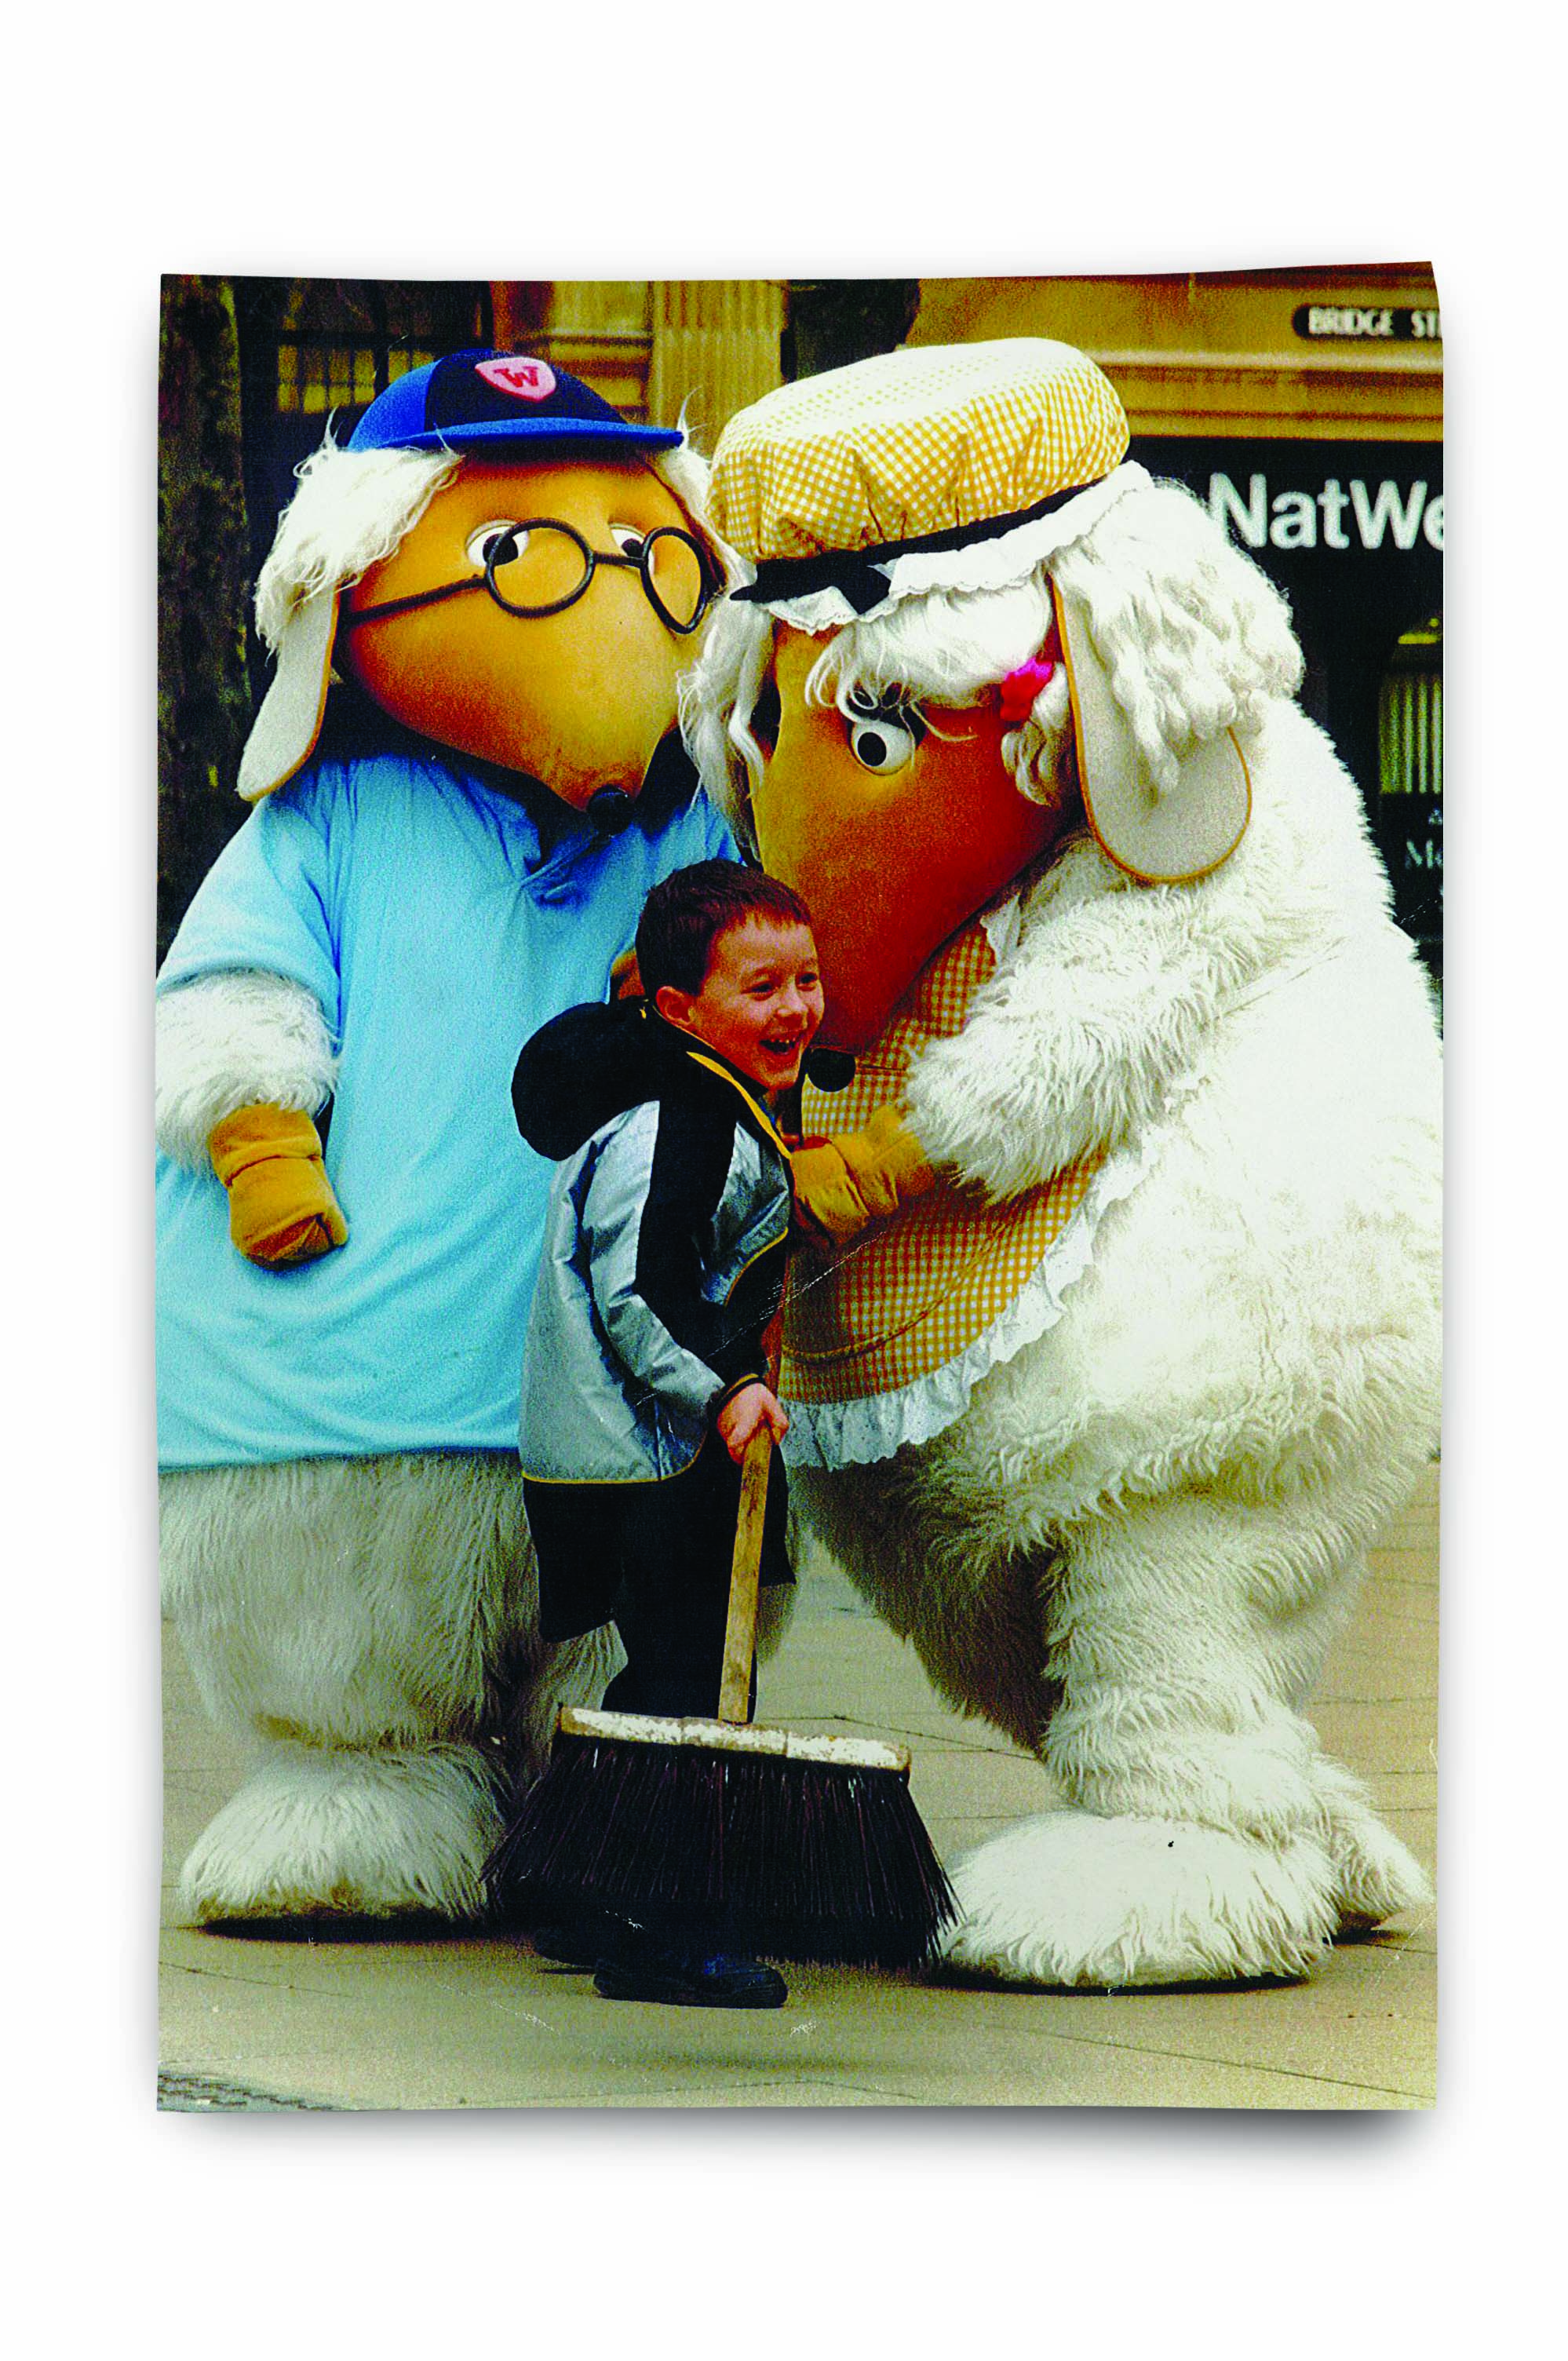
(1127, 1343)
(500, 578)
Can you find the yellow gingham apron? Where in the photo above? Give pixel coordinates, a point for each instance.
(898, 1307)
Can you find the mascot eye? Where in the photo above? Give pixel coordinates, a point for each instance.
(488, 537)
(883, 738)
(627, 538)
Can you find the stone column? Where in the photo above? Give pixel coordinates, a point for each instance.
(716, 347)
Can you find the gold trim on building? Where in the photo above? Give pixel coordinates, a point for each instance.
(655, 348)
(1218, 352)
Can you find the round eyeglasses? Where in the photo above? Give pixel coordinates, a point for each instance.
(541, 566)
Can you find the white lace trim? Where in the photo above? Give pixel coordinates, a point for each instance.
(834, 1434)
(984, 565)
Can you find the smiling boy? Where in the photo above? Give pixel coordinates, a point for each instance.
(646, 1371)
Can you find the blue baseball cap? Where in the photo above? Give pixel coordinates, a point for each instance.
(483, 401)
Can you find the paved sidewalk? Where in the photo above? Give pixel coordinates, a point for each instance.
(482, 2023)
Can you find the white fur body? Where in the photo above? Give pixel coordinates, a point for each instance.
(371, 1626)
(1133, 1548)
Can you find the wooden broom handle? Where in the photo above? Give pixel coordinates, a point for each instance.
(745, 1567)
(740, 1630)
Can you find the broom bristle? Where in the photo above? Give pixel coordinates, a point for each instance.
(800, 1860)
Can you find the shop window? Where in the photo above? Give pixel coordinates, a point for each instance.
(313, 347)
(314, 376)
(1409, 715)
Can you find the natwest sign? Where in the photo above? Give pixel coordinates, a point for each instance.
(1335, 516)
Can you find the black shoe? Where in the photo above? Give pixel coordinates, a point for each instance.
(641, 1970)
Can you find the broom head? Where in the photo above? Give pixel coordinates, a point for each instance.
(797, 1847)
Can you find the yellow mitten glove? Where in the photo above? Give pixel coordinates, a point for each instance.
(281, 1208)
(858, 1177)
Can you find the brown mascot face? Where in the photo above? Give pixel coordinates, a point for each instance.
(579, 700)
(893, 835)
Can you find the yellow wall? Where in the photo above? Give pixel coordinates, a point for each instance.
(653, 347)
(1216, 353)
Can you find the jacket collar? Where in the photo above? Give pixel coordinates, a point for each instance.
(699, 1054)
(762, 1119)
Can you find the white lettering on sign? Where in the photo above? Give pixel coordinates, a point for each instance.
(1372, 516)
(1252, 521)
(1291, 519)
(1347, 320)
(1331, 499)
(1295, 524)
(1364, 322)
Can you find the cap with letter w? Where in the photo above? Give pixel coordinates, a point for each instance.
(483, 401)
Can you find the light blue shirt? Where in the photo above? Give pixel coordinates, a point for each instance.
(417, 906)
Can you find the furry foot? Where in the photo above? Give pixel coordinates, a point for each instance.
(1070, 1899)
(334, 1830)
(1375, 1874)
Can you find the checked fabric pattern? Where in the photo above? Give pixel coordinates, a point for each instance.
(910, 1296)
(911, 443)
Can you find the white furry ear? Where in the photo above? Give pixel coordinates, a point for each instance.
(352, 508)
(284, 732)
(1166, 830)
(1193, 636)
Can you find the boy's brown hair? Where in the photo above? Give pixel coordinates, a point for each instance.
(683, 917)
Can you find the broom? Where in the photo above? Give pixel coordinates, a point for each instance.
(797, 1847)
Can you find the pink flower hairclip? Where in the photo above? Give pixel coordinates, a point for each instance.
(1021, 688)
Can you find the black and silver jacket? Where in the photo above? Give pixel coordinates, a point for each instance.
(664, 1247)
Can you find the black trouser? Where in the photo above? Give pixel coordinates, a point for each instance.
(657, 1557)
